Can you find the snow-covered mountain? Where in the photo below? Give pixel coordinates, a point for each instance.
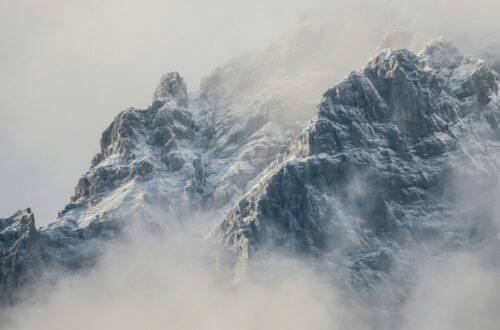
(395, 160)
(371, 176)
(183, 154)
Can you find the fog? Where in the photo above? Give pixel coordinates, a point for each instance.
(69, 67)
(460, 293)
(178, 280)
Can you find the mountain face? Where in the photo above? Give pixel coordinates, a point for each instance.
(159, 166)
(20, 253)
(387, 166)
(374, 173)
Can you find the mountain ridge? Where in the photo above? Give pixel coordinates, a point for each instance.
(183, 155)
(375, 171)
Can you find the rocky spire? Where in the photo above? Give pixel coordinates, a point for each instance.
(19, 252)
(171, 88)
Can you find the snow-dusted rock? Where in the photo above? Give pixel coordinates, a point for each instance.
(20, 261)
(172, 89)
(158, 165)
(368, 176)
(385, 165)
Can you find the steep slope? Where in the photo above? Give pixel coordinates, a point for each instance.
(190, 152)
(157, 166)
(145, 154)
(20, 254)
(147, 163)
(401, 154)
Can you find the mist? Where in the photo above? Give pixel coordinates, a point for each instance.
(174, 281)
(178, 279)
(69, 67)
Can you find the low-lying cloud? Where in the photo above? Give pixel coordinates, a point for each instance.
(173, 282)
(176, 281)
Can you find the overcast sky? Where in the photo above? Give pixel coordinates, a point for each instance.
(67, 67)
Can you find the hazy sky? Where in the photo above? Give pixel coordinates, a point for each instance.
(68, 67)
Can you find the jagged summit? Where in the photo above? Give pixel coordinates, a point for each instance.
(172, 89)
(377, 169)
(442, 54)
(467, 75)
(368, 176)
(19, 254)
(22, 218)
(417, 92)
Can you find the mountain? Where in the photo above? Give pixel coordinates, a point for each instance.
(378, 170)
(161, 165)
(20, 252)
(401, 155)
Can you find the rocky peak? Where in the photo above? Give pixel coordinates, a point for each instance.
(171, 89)
(19, 253)
(369, 168)
(441, 54)
(419, 93)
(465, 76)
(23, 221)
(380, 159)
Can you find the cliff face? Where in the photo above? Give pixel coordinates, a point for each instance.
(157, 166)
(20, 254)
(384, 167)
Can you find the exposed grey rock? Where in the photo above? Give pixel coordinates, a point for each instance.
(369, 176)
(162, 161)
(20, 261)
(172, 88)
(381, 166)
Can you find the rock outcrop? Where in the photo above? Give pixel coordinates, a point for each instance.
(20, 262)
(380, 167)
(386, 165)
